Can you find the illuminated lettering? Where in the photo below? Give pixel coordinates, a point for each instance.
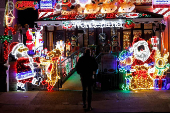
(22, 5)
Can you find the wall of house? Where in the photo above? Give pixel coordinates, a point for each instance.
(166, 37)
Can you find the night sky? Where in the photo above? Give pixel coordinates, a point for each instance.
(27, 16)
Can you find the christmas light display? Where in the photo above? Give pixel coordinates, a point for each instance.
(129, 24)
(8, 15)
(161, 64)
(96, 24)
(141, 15)
(46, 4)
(91, 8)
(9, 18)
(125, 61)
(67, 25)
(146, 65)
(128, 81)
(22, 5)
(38, 40)
(5, 40)
(83, 2)
(58, 5)
(52, 70)
(45, 12)
(108, 7)
(30, 42)
(126, 7)
(141, 83)
(24, 64)
(11, 29)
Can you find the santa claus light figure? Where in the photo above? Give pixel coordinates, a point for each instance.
(142, 53)
(143, 64)
(24, 64)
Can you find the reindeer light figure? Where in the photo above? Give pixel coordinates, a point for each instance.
(52, 73)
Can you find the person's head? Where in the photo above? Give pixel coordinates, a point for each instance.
(87, 52)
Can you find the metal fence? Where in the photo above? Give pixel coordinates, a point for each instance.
(67, 67)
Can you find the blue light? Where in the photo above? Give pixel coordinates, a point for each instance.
(124, 54)
(46, 4)
(157, 83)
(24, 75)
(31, 52)
(152, 63)
(125, 68)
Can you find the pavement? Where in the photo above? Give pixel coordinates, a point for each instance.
(69, 100)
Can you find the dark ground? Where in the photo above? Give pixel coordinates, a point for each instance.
(70, 101)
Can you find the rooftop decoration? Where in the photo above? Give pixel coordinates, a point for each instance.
(161, 7)
(108, 7)
(126, 6)
(80, 7)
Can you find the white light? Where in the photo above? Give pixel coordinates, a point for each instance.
(167, 14)
(41, 14)
(96, 24)
(141, 55)
(156, 9)
(38, 40)
(163, 10)
(83, 2)
(46, 5)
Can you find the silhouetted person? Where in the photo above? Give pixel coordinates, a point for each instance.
(86, 67)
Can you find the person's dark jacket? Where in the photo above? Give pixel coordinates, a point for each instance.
(85, 66)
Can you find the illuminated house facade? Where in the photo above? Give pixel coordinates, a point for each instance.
(129, 31)
(114, 26)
